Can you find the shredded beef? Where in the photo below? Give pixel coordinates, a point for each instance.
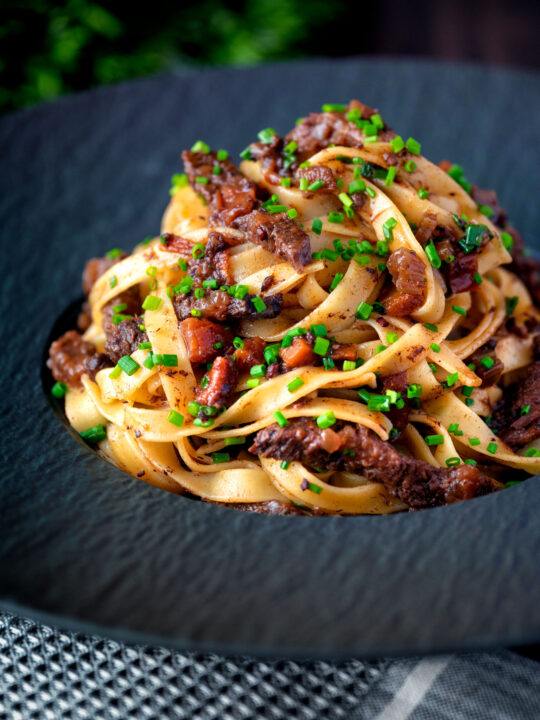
(460, 273)
(201, 337)
(222, 380)
(413, 481)
(95, 363)
(219, 306)
(124, 338)
(68, 357)
(515, 429)
(94, 268)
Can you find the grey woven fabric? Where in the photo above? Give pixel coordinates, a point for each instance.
(48, 674)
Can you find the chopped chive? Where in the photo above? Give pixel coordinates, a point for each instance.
(328, 254)
(345, 199)
(175, 418)
(388, 229)
(319, 330)
(390, 176)
(429, 326)
(238, 343)
(200, 146)
(414, 390)
(59, 389)
(235, 441)
(492, 448)
(432, 254)
(151, 302)
(469, 402)
(315, 185)
(422, 193)
(363, 311)
(316, 226)
(222, 155)
(453, 461)
(382, 248)
(276, 208)
(326, 420)
(413, 146)
(328, 363)
(357, 186)
(434, 440)
(113, 282)
(335, 217)
(220, 457)
(321, 346)
(295, 384)
(436, 348)
(114, 254)
(284, 465)
(216, 170)
(170, 360)
(392, 337)
(467, 390)
(378, 403)
(507, 240)
(304, 182)
(197, 251)
(477, 278)
(128, 365)
(380, 349)
(532, 452)
(410, 166)
(371, 192)
(246, 154)
(474, 441)
(317, 489)
(511, 304)
(145, 346)
(338, 277)
(525, 410)
(348, 365)
(195, 312)
(397, 144)
(292, 213)
(202, 180)
(266, 136)
(94, 434)
(485, 210)
(487, 361)
(203, 423)
(116, 371)
(285, 182)
(470, 461)
(258, 371)
(253, 382)
(182, 264)
(334, 107)
(452, 379)
(280, 419)
(459, 310)
(258, 304)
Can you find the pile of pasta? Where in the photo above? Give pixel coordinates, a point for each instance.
(429, 346)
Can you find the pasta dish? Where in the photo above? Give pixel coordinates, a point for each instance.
(336, 326)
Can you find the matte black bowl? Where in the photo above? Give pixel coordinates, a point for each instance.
(88, 547)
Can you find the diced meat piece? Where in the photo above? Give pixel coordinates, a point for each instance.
(409, 280)
(315, 173)
(489, 199)
(298, 354)
(513, 427)
(68, 356)
(222, 380)
(95, 363)
(201, 337)
(279, 234)
(251, 354)
(95, 267)
(427, 228)
(343, 351)
(415, 482)
(126, 304)
(489, 375)
(272, 159)
(124, 338)
(218, 305)
(215, 263)
(460, 273)
(399, 417)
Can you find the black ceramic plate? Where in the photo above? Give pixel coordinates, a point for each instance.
(91, 547)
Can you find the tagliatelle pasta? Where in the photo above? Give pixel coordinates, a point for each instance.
(338, 326)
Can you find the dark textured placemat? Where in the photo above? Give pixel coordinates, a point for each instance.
(47, 674)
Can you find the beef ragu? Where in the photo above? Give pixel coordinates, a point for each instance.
(356, 366)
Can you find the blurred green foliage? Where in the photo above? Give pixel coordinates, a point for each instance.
(50, 48)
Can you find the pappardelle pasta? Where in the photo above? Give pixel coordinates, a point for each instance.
(337, 326)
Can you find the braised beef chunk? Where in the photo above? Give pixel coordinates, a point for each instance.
(95, 363)
(272, 158)
(95, 267)
(68, 356)
(233, 201)
(219, 306)
(204, 339)
(317, 173)
(488, 198)
(427, 228)
(460, 273)
(526, 267)
(124, 338)
(409, 280)
(213, 263)
(416, 482)
(489, 374)
(252, 353)
(516, 417)
(278, 234)
(298, 353)
(222, 380)
(122, 307)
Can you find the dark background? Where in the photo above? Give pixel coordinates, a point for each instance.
(51, 48)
